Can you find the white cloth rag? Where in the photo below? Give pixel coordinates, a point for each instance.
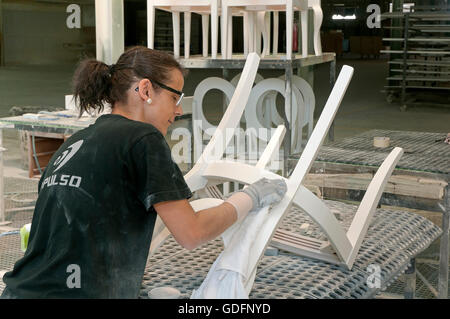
(227, 276)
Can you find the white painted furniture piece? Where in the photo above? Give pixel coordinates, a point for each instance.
(201, 127)
(216, 147)
(252, 6)
(245, 145)
(306, 116)
(209, 170)
(345, 245)
(205, 8)
(314, 5)
(257, 118)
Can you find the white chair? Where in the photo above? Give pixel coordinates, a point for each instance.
(343, 246)
(318, 18)
(251, 6)
(306, 118)
(218, 143)
(201, 127)
(245, 145)
(209, 171)
(304, 108)
(235, 81)
(257, 119)
(205, 8)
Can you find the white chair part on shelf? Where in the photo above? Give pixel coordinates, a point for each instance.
(205, 8)
(253, 6)
(254, 116)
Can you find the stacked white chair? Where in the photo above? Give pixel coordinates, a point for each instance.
(253, 6)
(259, 120)
(314, 5)
(204, 7)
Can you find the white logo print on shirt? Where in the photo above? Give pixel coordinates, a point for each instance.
(67, 155)
(64, 180)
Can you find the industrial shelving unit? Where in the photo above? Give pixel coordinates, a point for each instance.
(419, 67)
(274, 62)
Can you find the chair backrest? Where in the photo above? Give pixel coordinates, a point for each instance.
(200, 125)
(220, 140)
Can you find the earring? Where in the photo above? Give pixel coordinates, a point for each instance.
(149, 101)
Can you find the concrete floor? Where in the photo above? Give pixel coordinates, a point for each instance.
(364, 106)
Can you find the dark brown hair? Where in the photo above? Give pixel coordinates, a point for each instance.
(95, 83)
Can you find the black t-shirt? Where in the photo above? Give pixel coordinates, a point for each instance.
(94, 219)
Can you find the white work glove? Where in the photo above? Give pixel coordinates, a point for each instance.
(266, 192)
(257, 195)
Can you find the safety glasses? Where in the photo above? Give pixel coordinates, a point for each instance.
(168, 88)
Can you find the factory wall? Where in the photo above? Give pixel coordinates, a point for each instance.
(37, 34)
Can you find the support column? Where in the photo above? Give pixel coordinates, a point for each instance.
(444, 249)
(109, 30)
(2, 193)
(288, 118)
(332, 81)
(410, 280)
(2, 46)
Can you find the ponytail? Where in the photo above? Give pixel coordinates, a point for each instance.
(92, 85)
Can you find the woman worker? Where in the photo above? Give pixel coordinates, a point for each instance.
(101, 191)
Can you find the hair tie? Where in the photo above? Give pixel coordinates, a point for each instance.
(111, 69)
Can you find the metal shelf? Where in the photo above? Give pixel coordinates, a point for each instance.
(416, 52)
(420, 79)
(421, 62)
(420, 71)
(439, 40)
(268, 62)
(418, 87)
(423, 35)
(418, 15)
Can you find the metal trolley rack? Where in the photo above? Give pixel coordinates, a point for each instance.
(419, 62)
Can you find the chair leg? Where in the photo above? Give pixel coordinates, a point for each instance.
(226, 189)
(187, 34)
(246, 34)
(230, 37)
(267, 25)
(264, 25)
(224, 28)
(304, 15)
(259, 32)
(214, 29)
(289, 26)
(176, 34)
(205, 35)
(150, 26)
(318, 18)
(276, 18)
(251, 32)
